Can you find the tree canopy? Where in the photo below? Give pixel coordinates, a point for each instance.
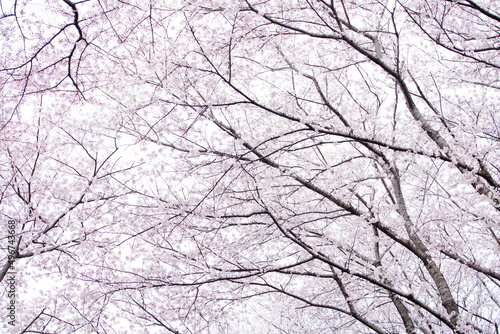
(218, 166)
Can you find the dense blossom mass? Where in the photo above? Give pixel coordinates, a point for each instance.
(243, 166)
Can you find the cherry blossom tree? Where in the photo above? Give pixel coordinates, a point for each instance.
(247, 166)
